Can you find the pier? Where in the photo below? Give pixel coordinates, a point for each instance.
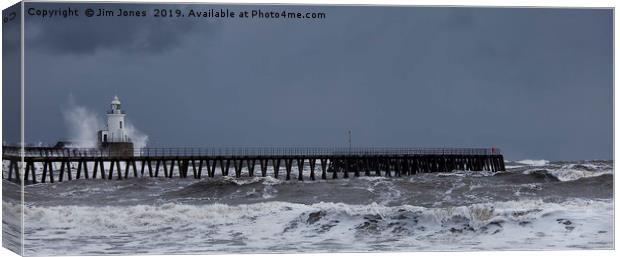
(54, 164)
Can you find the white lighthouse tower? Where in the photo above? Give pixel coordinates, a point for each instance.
(114, 136)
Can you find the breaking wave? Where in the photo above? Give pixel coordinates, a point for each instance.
(533, 162)
(283, 226)
(570, 172)
(268, 180)
(467, 173)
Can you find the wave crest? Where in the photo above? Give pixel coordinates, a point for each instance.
(529, 162)
(569, 172)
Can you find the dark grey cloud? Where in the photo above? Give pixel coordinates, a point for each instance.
(460, 18)
(83, 35)
(11, 86)
(535, 82)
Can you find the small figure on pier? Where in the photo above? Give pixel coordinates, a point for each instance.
(114, 137)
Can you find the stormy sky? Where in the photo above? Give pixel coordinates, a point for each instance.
(537, 83)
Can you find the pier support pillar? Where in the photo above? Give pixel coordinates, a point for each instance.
(111, 170)
(276, 167)
(86, 176)
(366, 165)
(300, 169)
(335, 167)
(30, 170)
(44, 175)
(171, 171)
(142, 164)
(62, 171)
(238, 166)
(184, 166)
(263, 167)
(225, 167)
(323, 168)
(165, 166)
(194, 169)
(356, 166)
(157, 163)
(347, 167)
(79, 170)
(95, 169)
(288, 163)
(211, 165)
(312, 163)
(149, 167)
(251, 164)
(501, 163)
(118, 170)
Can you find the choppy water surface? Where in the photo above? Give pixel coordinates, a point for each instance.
(534, 205)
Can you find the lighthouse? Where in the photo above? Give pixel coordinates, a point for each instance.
(114, 137)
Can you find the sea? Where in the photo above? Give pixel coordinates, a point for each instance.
(533, 205)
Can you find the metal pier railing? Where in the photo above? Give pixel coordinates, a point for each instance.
(244, 151)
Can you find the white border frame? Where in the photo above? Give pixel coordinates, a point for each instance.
(472, 3)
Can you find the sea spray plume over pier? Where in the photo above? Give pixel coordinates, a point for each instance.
(82, 126)
(138, 138)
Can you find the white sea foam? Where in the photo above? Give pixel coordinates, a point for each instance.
(572, 172)
(11, 226)
(383, 187)
(282, 226)
(533, 162)
(513, 166)
(268, 180)
(466, 173)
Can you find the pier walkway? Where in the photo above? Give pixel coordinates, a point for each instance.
(52, 164)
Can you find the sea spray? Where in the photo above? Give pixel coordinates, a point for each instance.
(138, 138)
(83, 124)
